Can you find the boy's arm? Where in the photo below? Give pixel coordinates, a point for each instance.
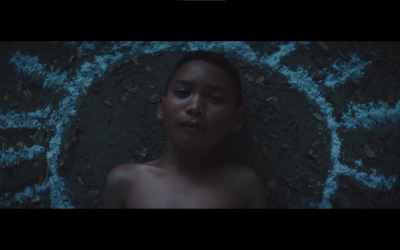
(256, 191)
(258, 198)
(115, 188)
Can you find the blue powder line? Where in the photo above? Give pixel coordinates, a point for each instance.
(12, 155)
(299, 79)
(302, 81)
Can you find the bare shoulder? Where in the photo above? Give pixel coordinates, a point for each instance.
(122, 172)
(119, 175)
(250, 185)
(244, 173)
(118, 183)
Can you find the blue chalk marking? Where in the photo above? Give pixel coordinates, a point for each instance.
(365, 116)
(31, 120)
(11, 155)
(58, 118)
(370, 114)
(340, 71)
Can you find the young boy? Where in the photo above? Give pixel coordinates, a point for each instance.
(201, 107)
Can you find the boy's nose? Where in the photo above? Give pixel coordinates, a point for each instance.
(195, 107)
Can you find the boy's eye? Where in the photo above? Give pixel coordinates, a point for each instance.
(181, 93)
(216, 99)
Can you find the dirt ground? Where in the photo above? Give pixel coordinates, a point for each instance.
(116, 123)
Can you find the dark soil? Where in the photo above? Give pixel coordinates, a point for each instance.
(116, 123)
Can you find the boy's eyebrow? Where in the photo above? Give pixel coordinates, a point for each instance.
(216, 87)
(184, 82)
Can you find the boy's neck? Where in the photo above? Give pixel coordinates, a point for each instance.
(185, 160)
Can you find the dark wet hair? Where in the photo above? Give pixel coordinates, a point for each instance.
(216, 59)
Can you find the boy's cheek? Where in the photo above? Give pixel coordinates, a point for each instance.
(222, 123)
(222, 115)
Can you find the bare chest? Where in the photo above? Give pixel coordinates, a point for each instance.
(176, 191)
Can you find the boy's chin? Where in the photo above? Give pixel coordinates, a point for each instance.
(196, 147)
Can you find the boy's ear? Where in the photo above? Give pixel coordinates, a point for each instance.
(160, 107)
(239, 121)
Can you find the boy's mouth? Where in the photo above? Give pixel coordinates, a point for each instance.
(195, 126)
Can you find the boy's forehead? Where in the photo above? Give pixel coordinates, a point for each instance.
(192, 70)
(212, 86)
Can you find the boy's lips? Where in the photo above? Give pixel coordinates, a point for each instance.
(193, 125)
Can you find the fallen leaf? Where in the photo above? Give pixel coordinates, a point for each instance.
(70, 59)
(271, 185)
(124, 98)
(19, 143)
(249, 78)
(151, 85)
(323, 46)
(255, 140)
(341, 54)
(274, 135)
(264, 148)
(390, 99)
(286, 146)
(318, 116)
(361, 97)
(272, 98)
(310, 152)
(143, 153)
(358, 150)
(5, 97)
(93, 194)
(221, 48)
(147, 68)
(315, 144)
(260, 79)
(154, 98)
(132, 90)
(373, 53)
(392, 57)
(107, 102)
(321, 63)
(74, 141)
(134, 60)
(61, 164)
(20, 84)
(261, 144)
(35, 137)
(28, 95)
(316, 158)
(80, 180)
(368, 151)
(41, 179)
(68, 175)
(370, 205)
(34, 200)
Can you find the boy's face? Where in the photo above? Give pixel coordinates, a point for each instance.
(199, 109)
